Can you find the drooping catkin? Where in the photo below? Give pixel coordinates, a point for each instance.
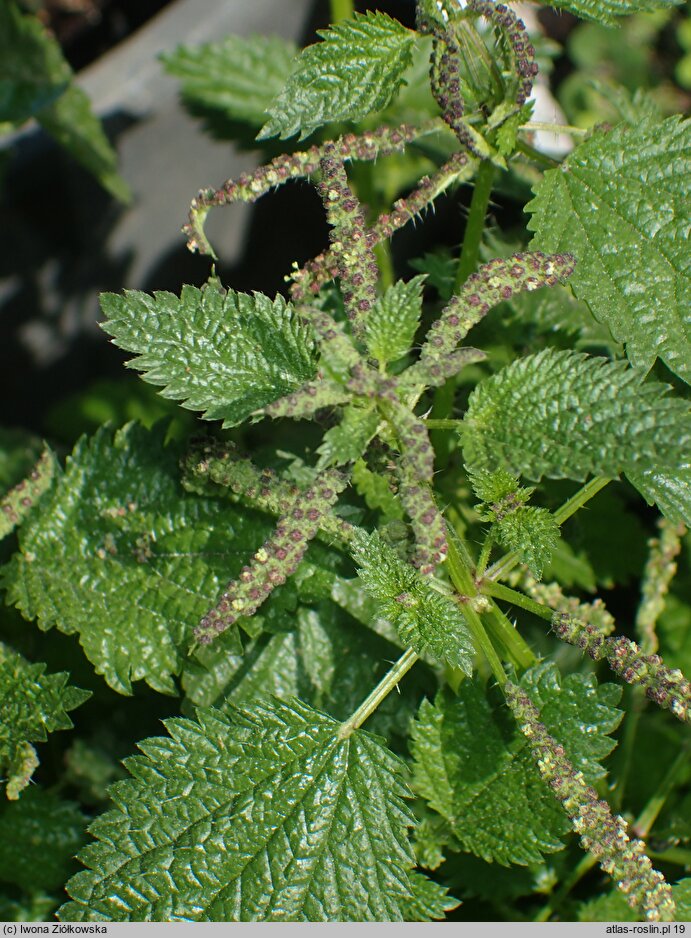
(602, 834)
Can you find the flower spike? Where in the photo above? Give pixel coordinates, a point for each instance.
(602, 834)
(666, 686)
(276, 560)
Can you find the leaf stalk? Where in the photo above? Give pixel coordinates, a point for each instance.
(382, 690)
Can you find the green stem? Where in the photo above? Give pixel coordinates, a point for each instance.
(583, 495)
(341, 10)
(463, 581)
(585, 866)
(642, 826)
(570, 507)
(510, 638)
(540, 158)
(433, 424)
(484, 556)
(442, 406)
(382, 252)
(499, 591)
(475, 224)
(382, 690)
(531, 126)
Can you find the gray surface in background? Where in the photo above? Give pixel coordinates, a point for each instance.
(165, 157)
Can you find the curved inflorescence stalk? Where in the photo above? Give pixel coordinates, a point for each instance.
(306, 401)
(495, 281)
(277, 558)
(416, 473)
(445, 81)
(519, 40)
(667, 687)
(602, 834)
(252, 186)
(220, 464)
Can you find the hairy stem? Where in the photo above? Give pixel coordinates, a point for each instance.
(503, 633)
(382, 690)
(475, 225)
(554, 128)
(433, 423)
(536, 156)
(499, 591)
(577, 501)
(463, 581)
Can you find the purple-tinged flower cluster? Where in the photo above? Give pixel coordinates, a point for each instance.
(445, 81)
(495, 281)
(260, 488)
(517, 36)
(249, 187)
(306, 401)
(416, 473)
(666, 686)
(276, 559)
(660, 570)
(355, 260)
(311, 278)
(602, 834)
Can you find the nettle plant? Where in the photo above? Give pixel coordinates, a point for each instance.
(288, 594)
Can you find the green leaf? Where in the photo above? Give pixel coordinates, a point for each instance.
(391, 325)
(119, 554)
(566, 415)
(357, 69)
(32, 704)
(265, 815)
(533, 533)
(606, 11)
(426, 620)
(668, 488)
(35, 81)
(73, 124)
(610, 907)
(33, 72)
(349, 439)
(430, 900)
(228, 354)
(39, 836)
(681, 893)
(619, 202)
(472, 766)
(239, 75)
